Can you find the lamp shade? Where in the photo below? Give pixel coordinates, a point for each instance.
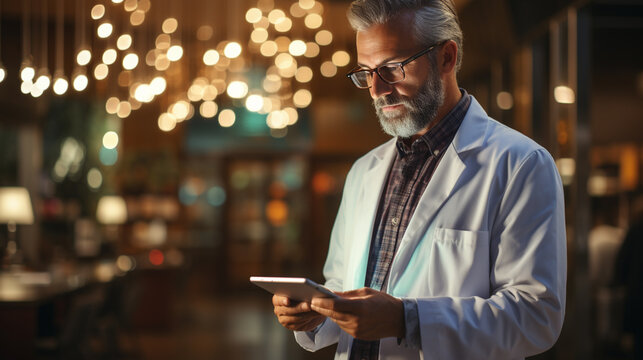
(111, 210)
(15, 206)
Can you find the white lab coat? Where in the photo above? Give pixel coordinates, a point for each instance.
(484, 254)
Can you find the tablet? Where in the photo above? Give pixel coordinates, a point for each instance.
(300, 289)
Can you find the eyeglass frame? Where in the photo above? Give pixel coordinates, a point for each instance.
(399, 64)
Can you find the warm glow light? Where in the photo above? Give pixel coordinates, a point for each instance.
(204, 32)
(84, 57)
(94, 178)
(117, 1)
(110, 140)
(36, 91)
(297, 48)
(162, 63)
(254, 102)
(284, 24)
(104, 30)
(313, 21)
(263, 23)
(210, 93)
(306, 4)
(253, 15)
(180, 110)
(272, 83)
(130, 61)
(158, 85)
(80, 82)
(297, 11)
(27, 73)
(124, 42)
(144, 93)
(269, 48)
(302, 98)
(232, 50)
(137, 17)
(175, 52)
(505, 100)
(226, 118)
(211, 57)
(564, 95)
(304, 74)
(109, 56)
(259, 35)
(163, 41)
(328, 69)
(43, 79)
(284, 60)
(169, 25)
(156, 257)
(341, 58)
(324, 37)
(283, 42)
(275, 15)
(293, 115)
(208, 109)
(25, 87)
(277, 119)
(61, 85)
(124, 109)
(98, 11)
(111, 105)
(130, 5)
(166, 122)
(237, 89)
(312, 50)
(101, 71)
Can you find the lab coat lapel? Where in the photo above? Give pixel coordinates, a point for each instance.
(374, 180)
(471, 134)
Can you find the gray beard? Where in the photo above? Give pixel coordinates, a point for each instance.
(419, 111)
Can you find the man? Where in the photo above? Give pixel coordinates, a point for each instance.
(449, 242)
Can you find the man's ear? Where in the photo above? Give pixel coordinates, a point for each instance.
(448, 56)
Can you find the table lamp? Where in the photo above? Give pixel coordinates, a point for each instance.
(15, 208)
(111, 212)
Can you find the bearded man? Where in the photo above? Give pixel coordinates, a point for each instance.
(449, 242)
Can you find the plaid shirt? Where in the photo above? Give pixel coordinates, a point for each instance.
(409, 176)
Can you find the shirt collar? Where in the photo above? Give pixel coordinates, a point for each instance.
(438, 137)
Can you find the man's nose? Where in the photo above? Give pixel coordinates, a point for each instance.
(379, 87)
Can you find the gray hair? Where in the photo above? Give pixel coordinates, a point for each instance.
(434, 20)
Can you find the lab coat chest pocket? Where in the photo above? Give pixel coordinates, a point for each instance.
(459, 263)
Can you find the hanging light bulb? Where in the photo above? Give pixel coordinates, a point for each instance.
(43, 79)
(60, 83)
(27, 71)
(3, 72)
(83, 57)
(104, 30)
(80, 80)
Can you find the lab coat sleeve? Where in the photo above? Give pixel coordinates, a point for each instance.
(524, 313)
(334, 270)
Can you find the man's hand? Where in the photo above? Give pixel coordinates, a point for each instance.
(296, 316)
(364, 314)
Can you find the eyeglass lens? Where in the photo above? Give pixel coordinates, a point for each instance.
(389, 73)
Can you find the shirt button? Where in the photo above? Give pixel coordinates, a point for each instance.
(395, 221)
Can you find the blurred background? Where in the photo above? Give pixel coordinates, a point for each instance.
(154, 154)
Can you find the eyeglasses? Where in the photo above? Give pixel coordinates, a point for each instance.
(390, 73)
